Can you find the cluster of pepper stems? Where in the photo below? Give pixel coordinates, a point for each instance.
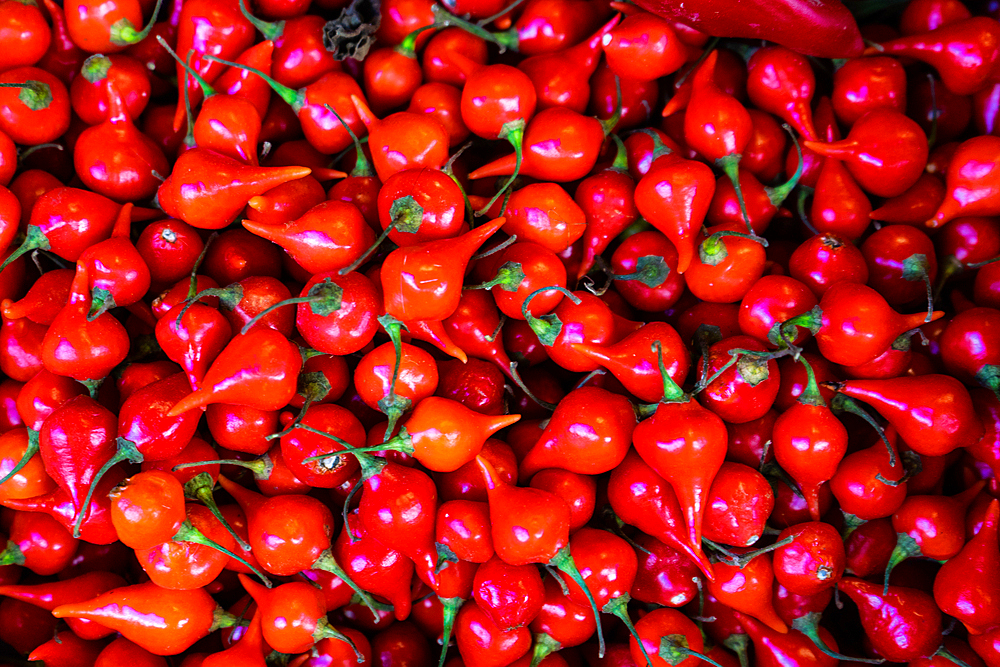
(592, 354)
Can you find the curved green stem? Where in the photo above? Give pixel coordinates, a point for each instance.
(188, 533)
(126, 452)
(547, 327)
(29, 451)
(523, 387)
(513, 132)
(563, 561)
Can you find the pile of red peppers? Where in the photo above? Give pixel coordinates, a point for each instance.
(572, 333)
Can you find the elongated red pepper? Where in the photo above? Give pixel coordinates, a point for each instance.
(822, 28)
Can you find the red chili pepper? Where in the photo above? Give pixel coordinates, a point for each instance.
(161, 621)
(825, 29)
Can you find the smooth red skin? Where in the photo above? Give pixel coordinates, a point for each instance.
(541, 267)
(607, 563)
(746, 441)
(390, 77)
(674, 196)
(377, 568)
(436, 194)
(329, 236)
(10, 418)
(299, 445)
(467, 482)
(442, 102)
(968, 240)
(730, 279)
(781, 82)
(122, 651)
(964, 587)
(434, 272)
(813, 561)
(764, 156)
(44, 298)
(636, 293)
(792, 649)
(579, 492)
(643, 47)
(987, 449)
(96, 527)
(116, 267)
(839, 205)
(563, 78)
(137, 375)
(32, 480)
(75, 440)
(916, 205)
(589, 433)
(8, 160)
(936, 524)
(970, 196)
(229, 125)
(255, 295)
(886, 250)
(716, 124)
(25, 126)
(739, 502)
(640, 148)
(25, 35)
(398, 508)
(196, 342)
(725, 206)
(590, 322)
(464, 527)
(348, 329)
(79, 347)
(771, 301)
(399, 645)
(482, 644)
(186, 565)
(90, 23)
(476, 384)
(809, 443)
(143, 419)
(865, 84)
(638, 98)
(178, 293)
(684, 437)
(825, 259)
(664, 576)
(608, 204)
(509, 595)
(790, 606)
(277, 527)
(986, 104)
(860, 492)
(954, 112)
(148, 509)
(331, 652)
(184, 616)
(523, 344)
(516, 510)
(436, 61)
(661, 623)
(858, 325)
(903, 625)
(562, 619)
(417, 378)
(748, 590)
(59, 215)
(730, 395)
(969, 343)
(289, 613)
(89, 99)
(986, 289)
(964, 74)
(21, 348)
(46, 545)
(241, 428)
(926, 15)
(908, 403)
(868, 548)
(68, 649)
(25, 627)
(494, 95)
(197, 450)
(299, 58)
(362, 191)
(987, 646)
(545, 214)
(406, 140)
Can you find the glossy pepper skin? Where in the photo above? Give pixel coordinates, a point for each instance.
(822, 28)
